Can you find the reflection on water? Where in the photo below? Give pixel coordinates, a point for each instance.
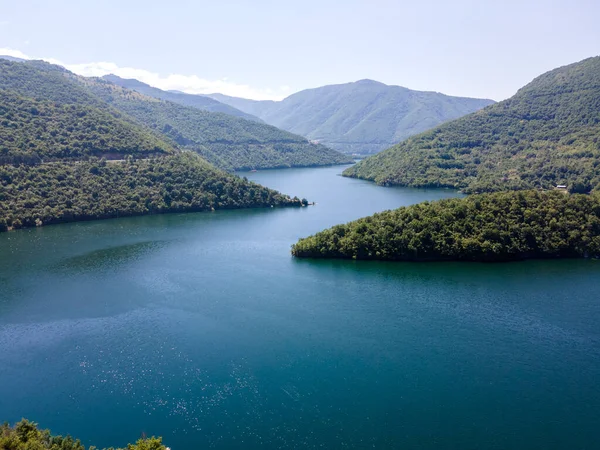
(110, 258)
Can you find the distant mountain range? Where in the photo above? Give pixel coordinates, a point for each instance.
(547, 134)
(363, 117)
(195, 101)
(227, 141)
(359, 118)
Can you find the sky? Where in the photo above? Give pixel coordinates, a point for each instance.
(265, 49)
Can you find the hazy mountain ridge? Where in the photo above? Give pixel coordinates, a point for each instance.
(196, 101)
(228, 142)
(547, 134)
(360, 117)
(12, 58)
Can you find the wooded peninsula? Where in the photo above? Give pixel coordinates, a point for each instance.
(504, 226)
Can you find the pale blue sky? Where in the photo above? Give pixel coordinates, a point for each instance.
(263, 48)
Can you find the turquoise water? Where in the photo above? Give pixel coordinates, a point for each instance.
(201, 328)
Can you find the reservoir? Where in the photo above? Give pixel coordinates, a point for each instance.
(203, 329)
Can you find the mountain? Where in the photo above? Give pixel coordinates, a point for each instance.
(547, 134)
(44, 116)
(501, 226)
(196, 101)
(228, 142)
(363, 117)
(254, 107)
(52, 131)
(12, 58)
(35, 131)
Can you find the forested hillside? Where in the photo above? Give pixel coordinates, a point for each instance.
(501, 226)
(52, 131)
(226, 141)
(26, 435)
(65, 192)
(547, 134)
(40, 80)
(33, 131)
(363, 117)
(196, 101)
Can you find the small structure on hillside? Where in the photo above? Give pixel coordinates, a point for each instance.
(561, 187)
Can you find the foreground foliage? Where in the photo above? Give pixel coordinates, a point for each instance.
(85, 190)
(486, 227)
(25, 435)
(545, 135)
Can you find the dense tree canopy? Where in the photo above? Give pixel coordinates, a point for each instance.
(97, 189)
(545, 135)
(39, 80)
(501, 226)
(26, 435)
(32, 131)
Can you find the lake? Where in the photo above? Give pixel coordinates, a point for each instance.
(202, 328)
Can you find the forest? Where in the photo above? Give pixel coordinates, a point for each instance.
(502, 226)
(26, 435)
(32, 131)
(96, 189)
(547, 134)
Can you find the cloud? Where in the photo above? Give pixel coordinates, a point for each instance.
(191, 84)
(13, 53)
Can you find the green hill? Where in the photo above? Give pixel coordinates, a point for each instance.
(545, 135)
(45, 115)
(226, 141)
(87, 190)
(502, 226)
(363, 117)
(196, 101)
(34, 131)
(52, 131)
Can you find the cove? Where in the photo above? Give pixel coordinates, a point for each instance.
(202, 328)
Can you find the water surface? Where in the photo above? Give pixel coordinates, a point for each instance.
(201, 328)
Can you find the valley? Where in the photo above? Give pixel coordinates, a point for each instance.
(192, 249)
